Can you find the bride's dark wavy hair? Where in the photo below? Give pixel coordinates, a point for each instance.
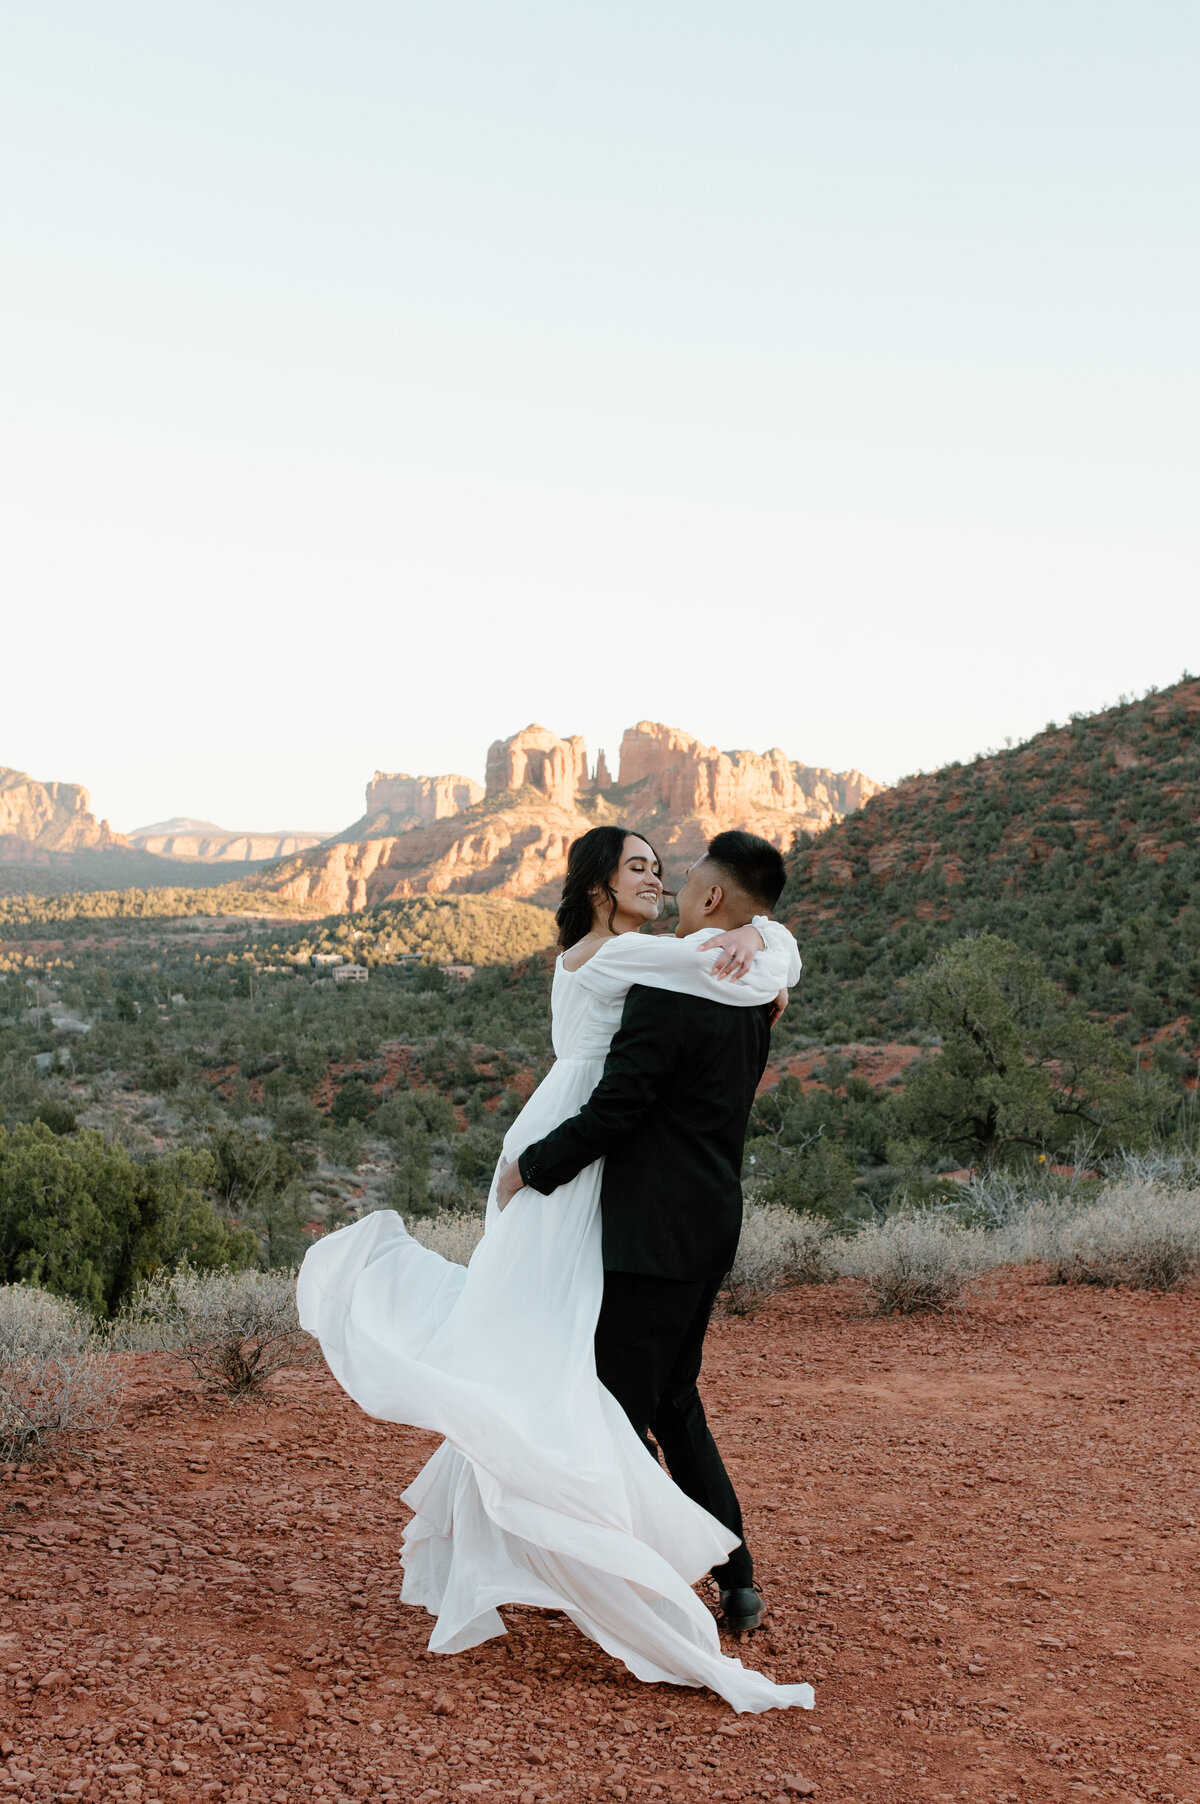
(591, 861)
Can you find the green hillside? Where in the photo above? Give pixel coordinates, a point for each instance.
(473, 930)
(1082, 845)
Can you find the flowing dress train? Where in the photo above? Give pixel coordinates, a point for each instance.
(541, 1492)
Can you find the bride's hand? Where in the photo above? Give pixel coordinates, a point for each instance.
(738, 947)
(778, 1006)
(508, 1182)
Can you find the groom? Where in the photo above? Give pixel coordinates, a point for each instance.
(669, 1118)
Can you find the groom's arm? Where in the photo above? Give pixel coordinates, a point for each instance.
(644, 1050)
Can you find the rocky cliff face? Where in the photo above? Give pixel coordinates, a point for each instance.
(53, 817)
(537, 759)
(519, 851)
(692, 791)
(418, 800)
(513, 840)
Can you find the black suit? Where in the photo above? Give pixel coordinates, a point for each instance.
(669, 1119)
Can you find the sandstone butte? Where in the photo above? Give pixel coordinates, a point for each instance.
(449, 835)
(49, 817)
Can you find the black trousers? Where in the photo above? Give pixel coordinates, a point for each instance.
(649, 1345)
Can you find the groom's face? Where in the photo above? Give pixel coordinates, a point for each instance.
(695, 897)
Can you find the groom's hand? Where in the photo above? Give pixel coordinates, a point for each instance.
(508, 1182)
(777, 1007)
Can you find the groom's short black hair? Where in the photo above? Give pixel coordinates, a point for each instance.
(750, 864)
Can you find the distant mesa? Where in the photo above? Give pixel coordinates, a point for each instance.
(205, 842)
(509, 837)
(49, 836)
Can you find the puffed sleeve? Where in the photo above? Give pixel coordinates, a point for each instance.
(781, 944)
(661, 962)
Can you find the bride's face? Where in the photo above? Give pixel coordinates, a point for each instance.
(637, 885)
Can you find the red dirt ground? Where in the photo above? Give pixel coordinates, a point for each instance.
(977, 1535)
(878, 1064)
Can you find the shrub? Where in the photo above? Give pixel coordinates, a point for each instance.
(256, 1178)
(59, 1116)
(52, 1381)
(235, 1329)
(1032, 1232)
(1174, 1166)
(85, 1220)
(819, 1136)
(818, 1176)
(407, 1190)
(422, 1111)
(354, 1101)
(346, 1145)
(475, 1155)
(298, 1125)
(1001, 1195)
(914, 1262)
(33, 1322)
(1142, 1234)
(248, 1165)
(778, 1247)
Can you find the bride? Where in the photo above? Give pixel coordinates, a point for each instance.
(542, 1492)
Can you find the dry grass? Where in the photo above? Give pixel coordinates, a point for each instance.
(53, 1381)
(778, 1248)
(235, 1329)
(1143, 1234)
(455, 1234)
(912, 1262)
(34, 1323)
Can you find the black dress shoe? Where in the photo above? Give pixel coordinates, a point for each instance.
(742, 1609)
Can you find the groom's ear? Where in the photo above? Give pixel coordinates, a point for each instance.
(714, 899)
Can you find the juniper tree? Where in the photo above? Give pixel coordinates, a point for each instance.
(1022, 1069)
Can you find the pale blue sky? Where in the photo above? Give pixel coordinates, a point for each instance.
(379, 377)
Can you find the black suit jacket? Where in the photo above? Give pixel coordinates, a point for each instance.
(669, 1118)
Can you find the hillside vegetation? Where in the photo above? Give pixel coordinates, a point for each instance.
(472, 930)
(1081, 846)
(176, 1084)
(475, 930)
(301, 1099)
(32, 915)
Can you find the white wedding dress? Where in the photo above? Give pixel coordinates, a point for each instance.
(541, 1492)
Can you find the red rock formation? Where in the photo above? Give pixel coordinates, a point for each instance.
(422, 799)
(703, 791)
(535, 758)
(53, 816)
(677, 790)
(519, 851)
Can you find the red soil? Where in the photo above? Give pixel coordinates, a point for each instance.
(977, 1535)
(877, 1064)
